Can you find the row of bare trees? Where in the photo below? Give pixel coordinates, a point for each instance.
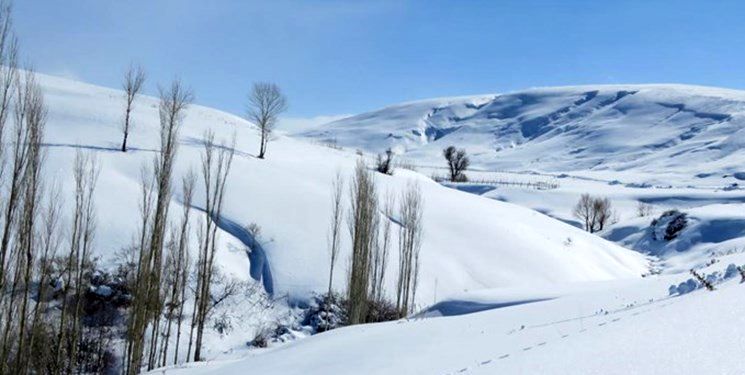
(38, 271)
(265, 103)
(370, 230)
(47, 296)
(163, 264)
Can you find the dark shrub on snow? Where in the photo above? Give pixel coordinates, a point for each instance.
(329, 312)
(326, 312)
(669, 225)
(381, 311)
(384, 162)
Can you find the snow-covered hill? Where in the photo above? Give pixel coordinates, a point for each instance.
(519, 285)
(469, 242)
(645, 128)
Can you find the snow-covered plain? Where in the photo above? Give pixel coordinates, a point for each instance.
(508, 283)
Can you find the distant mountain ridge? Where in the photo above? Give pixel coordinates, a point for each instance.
(604, 127)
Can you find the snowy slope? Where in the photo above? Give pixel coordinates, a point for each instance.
(469, 242)
(645, 128)
(628, 327)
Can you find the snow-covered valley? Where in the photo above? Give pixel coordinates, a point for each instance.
(509, 281)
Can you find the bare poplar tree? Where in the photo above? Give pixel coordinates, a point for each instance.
(334, 235)
(216, 162)
(265, 103)
(381, 249)
(134, 78)
(363, 230)
(25, 248)
(178, 262)
(42, 336)
(147, 304)
(410, 238)
(85, 176)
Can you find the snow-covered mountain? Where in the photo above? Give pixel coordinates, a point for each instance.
(646, 128)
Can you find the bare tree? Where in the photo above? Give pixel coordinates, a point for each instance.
(85, 175)
(31, 121)
(458, 162)
(147, 304)
(583, 210)
(595, 212)
(410, 239)
(134, 78)
(643, 209)
(265, 103)
(381, 249)
(603, 212)
(334, 235)
(216, 162)
(363, 230)
(178, 267)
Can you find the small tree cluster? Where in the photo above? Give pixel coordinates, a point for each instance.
(595, 212)
(363, 230)
(457, 162)
(371, 243)
(384, 162)
(409, 244)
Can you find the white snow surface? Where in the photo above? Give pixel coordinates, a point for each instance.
(616, 327)
(508, 282)
(653, 128)
(469, 242)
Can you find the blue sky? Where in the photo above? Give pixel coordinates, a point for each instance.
(335, 57)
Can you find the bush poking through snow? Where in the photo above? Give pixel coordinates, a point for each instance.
(222, 324)
(643, 209)
(326, 312)
(705, 281)
(384, 162)
(261, 340)
(669, 225)
(382, 310)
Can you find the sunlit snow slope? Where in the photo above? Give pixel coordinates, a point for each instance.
(648, 128)
(469, 242)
